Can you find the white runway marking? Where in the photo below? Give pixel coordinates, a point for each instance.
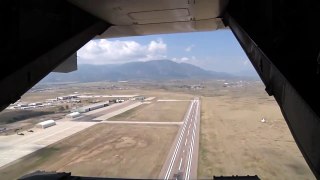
(180, 164)
(178, 144)
(178, 161)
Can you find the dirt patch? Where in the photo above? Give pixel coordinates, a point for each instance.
(156, 112)
(234, 141)
(105, 150)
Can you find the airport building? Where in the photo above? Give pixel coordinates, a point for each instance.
(67, 97)
(73, 115)
(92, 107)
(46, 124)
(35, 104)
(51, 100)
(139, 98)
(22, 105)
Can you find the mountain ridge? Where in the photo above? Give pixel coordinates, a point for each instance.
(149, 70)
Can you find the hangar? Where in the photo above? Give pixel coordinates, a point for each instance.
(73, 115)
(46, 124)
(93, 107)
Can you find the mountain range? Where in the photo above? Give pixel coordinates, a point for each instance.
(149, 70)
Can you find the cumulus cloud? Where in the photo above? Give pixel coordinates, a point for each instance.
(189, 48)
(106, 52)
(179, 60)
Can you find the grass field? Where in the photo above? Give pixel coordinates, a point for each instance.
(107, 150)
(234, 141)
(156, 111)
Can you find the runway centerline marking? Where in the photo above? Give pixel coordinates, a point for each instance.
(179, 142)
(180, 164)
(181, 158)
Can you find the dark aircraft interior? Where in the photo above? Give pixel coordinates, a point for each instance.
(280, 37)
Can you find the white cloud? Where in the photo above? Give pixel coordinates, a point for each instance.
(182, 59)
(189, 48)
(107, 52)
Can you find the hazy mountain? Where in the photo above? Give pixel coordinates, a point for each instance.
(150, 70)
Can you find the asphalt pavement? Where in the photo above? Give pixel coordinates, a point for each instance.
(182, 161)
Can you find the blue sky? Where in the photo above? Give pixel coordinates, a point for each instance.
(216, 50)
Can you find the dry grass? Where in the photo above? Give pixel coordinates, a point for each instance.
(107, 150)
(156, 111)
(234, 141)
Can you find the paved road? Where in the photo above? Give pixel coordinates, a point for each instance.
(182, 161)
(171, 100)
(89, 116)
(117, 111)
(15, 146)
(143, 122)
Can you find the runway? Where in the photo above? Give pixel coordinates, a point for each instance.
(182, 161)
